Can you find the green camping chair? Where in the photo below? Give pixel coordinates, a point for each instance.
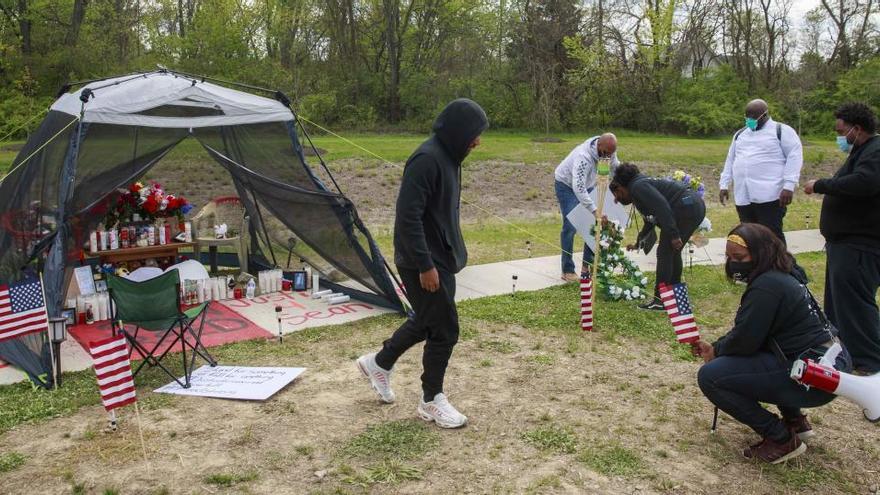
(154, 306)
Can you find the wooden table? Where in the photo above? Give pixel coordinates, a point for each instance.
(141, 253)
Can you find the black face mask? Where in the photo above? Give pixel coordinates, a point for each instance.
(739, 270)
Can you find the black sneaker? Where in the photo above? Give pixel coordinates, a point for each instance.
(653, 305)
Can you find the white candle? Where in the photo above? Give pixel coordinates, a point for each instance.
(320, 294)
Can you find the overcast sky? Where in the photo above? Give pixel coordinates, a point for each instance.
(800, 7)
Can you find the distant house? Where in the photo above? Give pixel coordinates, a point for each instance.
(694, 56)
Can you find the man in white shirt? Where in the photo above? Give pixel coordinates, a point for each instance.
(576, 177)
(764, 162)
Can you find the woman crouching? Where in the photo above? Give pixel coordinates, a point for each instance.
(775, 324)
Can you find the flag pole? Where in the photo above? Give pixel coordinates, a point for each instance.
(137, 412)
(113, 424)
(602, 184)
(55, 372)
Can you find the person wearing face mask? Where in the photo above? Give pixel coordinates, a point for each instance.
(428, 251)
(850, 223)
(576, 176)
(776, 323)
(764, 163)
(677, 210)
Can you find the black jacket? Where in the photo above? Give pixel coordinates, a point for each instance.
(427, 232)
(851, 207)
(657, 200)
(775, 306)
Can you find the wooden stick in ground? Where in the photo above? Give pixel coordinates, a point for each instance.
(55, 372)
(602, 184)
(137, 412)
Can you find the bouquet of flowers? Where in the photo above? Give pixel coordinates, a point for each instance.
(149, 202)
(693, 182)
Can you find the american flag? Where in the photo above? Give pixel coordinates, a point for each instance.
(681, 314)
(22, 308)
(114, 372)
(586, 303)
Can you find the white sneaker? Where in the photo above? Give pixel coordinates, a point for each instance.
(441, 412)
(379, 378)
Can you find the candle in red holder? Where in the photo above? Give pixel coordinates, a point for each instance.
(286, 284)
(237, 293)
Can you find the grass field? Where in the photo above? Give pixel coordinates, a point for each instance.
(551, 411)
(508, 182)
(524, 147)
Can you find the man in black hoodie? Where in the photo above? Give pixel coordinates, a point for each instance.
(850, 222)
(428, 251)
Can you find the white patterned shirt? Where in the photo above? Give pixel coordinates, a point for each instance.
(579, 170)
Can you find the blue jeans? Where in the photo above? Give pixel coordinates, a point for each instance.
(567, 202)
(738, 384)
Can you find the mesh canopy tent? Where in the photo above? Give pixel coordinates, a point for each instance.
(109, 133)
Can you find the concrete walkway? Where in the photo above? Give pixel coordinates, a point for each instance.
(497, 278)
(539, 273)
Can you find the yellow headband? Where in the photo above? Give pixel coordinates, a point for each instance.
(739, 241)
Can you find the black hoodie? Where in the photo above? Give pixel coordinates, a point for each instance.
(851, 208)
(427, 232)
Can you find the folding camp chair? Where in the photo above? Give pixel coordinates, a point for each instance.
(154, 306)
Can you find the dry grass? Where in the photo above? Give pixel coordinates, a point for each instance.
(551, 411)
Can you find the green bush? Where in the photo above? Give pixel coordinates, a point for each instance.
(710, 103)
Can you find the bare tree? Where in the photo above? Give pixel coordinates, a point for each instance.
(852, 26)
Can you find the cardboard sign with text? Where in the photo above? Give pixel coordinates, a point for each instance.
(235, 382)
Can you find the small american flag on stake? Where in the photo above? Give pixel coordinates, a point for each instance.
(586, 303)
(22, 308)
(681, 314)
(114, 372)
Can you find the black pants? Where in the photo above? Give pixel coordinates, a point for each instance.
(852, 276)
(435, 323)
(769, 215)
(669, 263)
(738, 384)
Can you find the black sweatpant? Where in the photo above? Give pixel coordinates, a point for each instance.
(852, 277)
(739, 384)
(669, 264)
(768, 214)
(435, 322)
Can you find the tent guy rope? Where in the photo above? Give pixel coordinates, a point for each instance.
(469, 203)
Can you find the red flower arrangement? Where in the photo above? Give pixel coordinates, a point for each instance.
(147, 201)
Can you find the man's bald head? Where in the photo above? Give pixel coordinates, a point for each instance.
(756, 108)
(606, 145)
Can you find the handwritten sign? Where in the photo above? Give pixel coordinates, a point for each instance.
(235, 382)
(299, 311)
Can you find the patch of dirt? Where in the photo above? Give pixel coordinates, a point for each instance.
(514, 191)
(608, 392)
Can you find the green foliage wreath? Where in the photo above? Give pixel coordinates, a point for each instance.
(618, 277)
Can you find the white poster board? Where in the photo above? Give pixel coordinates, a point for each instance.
(583, 219)
(84, 279)
(235, 382)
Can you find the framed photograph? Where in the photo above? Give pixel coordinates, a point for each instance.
(101, 285)
(299, 280)
(70, 315)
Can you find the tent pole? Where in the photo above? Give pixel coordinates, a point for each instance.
(263, 223)
(320, 158)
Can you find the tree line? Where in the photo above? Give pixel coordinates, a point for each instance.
(678, 66)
